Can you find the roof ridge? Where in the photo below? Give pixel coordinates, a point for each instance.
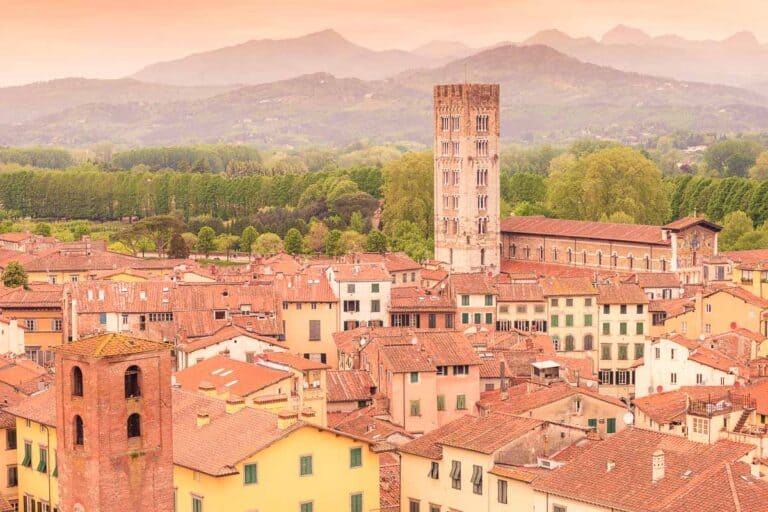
(732, 485)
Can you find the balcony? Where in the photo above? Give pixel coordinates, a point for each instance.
(720, 404)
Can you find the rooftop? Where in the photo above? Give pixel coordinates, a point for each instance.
(539, 225)
(229, 375)
(110, 345)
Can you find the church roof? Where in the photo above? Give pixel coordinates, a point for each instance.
(111, 344)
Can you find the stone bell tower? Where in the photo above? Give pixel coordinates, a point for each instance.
(467, 190)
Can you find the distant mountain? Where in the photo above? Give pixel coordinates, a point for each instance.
(444, 50)
(546, 95)
(27, 102)
(269, 60)
(737, 60)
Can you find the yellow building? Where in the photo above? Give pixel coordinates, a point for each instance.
(38, 486)
(243, 459)
(9, 465)
(309, 315)
(752, 276)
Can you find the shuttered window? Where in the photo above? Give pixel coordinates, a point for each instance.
(314, 330)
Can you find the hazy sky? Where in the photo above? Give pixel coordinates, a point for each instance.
(44, 39)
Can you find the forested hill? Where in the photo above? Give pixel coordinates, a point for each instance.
(545, 95)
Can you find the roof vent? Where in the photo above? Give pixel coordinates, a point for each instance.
(657, 464)
(609, 466)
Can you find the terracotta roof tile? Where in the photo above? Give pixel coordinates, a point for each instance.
(656, 280)
(349, 385)
(40, 408)
(672, 307)
(687, 222)
(473, 284)
(310, 285)
(111, 344)
(389, 483)
(522, 402)
(520, 292)
(292, 361)
(669, 406)
(621, 293)
(393, 261)
(410, 298)
(406, 358)
(743, 294)
(365, 272)
(228, 375)
(225, 333)
(524, 269)
(559, 286)
(538, 225)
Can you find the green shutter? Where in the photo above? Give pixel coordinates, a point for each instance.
(461, 402)
(639, 350)
(640, 328)
(42, 465)
(249, 474)
(440, 402)
(554, 321)
(489, 318)
(415, 408)
(611, 425)
(623, 328)
(307, 507)
(356, 503)
(587, 320)
(606, 328)
(569, 320)
(465, 318)
(355, 457)
(305, 464)
(27, 455)
(592, 422)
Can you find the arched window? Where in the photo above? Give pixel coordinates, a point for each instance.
(132, 384)
(614, 260)
(512, 251)
(588, 342)
(569, 343)
(482, 257)
(79, 431)
(77, 381)
(570, 256)
(631, 261)
(541, 253)
(554, 254)
(134, 425)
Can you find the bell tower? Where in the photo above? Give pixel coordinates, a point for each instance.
(113, 409)
(467, 191)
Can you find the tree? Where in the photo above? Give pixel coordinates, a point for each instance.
(190, 239)
(356, 222)
(225, 243)
(759, 171)
(268, 244)
(206, 240)
(618, 218)
(80, 228)
(293, 241)
(160, 228)
(315, 239)
(15, 276)
(408, 237)
(352, 241)
(408, 183)
(247, 237)
(376, 242)
(333, 245)
(144, 244)
(735, 225)
(42, 229)
(523, 186)
(177, 248)
(732, 157)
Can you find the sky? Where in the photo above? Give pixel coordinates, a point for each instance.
(46, 39)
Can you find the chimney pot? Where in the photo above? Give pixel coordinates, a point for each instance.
(657, 465)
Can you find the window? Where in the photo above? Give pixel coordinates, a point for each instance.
(461, 402)
(220, 314)
(700, 426)
(414, 377)
(699, 378)
(27, 460)
(413, 506)
(351, 306)
(640, 309)
(10, 439)
(445, 123)
(639, 328)
(502, 491)
(79, 434)
(587, 320)
(554, 302)
(605, 351)
(432, 320)
(588, 302)
(456, 474)
(481, 146)
(161, 317)
(489, 318)
(456, 148)
(639, 350)
(477, 479)
(305, 465)
(465, 318)
(610, 425)
(623, 309)
(13, 476)
(415, 407)
(449, 321)
(134, 425)
(461, 369)
(132, 385)
(671, 353)
(77, 381)
(489, 300)
(375, 306)
(440, 402)
(250, 474)
(374, 287)
(456, 121)
(606, 309)
(30, 325)
(465, 300)
(588, 342)
(556, 342)
(314, 330)
(657, 352)
(355, 457)
(350, 287)
(569, 344)
(434, 470)
(478, 317)
(673, 378)
(623, 328)
(356, 503)
(623, 351)
(554, 321)
(606, 329)
(569, 320)
(197, 504)
(56, 325)
(482, 123)
(102, 318)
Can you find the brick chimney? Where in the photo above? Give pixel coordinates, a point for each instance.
(754, 468)
(504, 393)
(207, 389)
(234, 404)
(286, 418)
(657, 465)
(203, 419)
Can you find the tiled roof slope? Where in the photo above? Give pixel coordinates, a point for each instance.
(111, 344)
(349, 385)
(539, 225)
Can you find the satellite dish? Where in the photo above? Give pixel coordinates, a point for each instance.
(628, 418)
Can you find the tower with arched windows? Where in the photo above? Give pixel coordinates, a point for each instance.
(113, 404)
(467, 192)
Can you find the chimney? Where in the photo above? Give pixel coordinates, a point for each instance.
(203, 419)
(754, 468)
(504, 393)
(609, 466)
(207, 389)
(657, 465)
(286, 418)
(234, 404)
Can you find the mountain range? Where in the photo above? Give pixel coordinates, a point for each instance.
(321, 89)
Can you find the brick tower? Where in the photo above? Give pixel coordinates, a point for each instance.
(467, 191)
(113, 410)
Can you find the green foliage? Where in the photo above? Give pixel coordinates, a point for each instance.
(352, 241)
(226, 242)
(735, 225)
(376, 242)
(333, 244)
(618, 218)
(585, 147)
(14, 275)
(408, 237)
(759, 171)
(177, 248)
(42, 229)
(293, 241)
(268, 244)
(316, 237)
(206, 240)
(247, 238)
(37, 157)
(408, 184)
(523, 186)
(200, 158)
(535, 160)
(732, 157)
(79, 228)
(356, 222)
